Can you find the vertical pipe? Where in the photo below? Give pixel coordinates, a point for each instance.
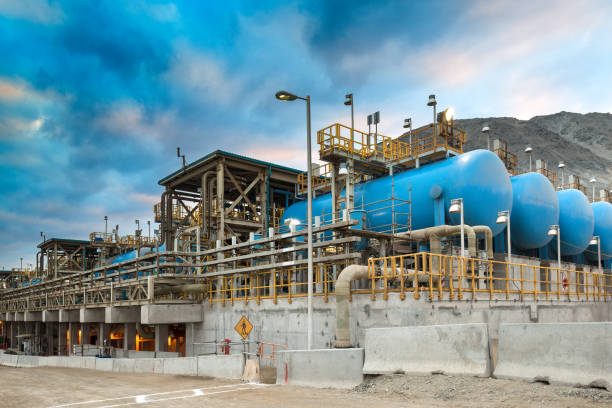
(309, 223)
(509, 244)
(462, 230)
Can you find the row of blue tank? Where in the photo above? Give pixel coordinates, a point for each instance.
(481, 180)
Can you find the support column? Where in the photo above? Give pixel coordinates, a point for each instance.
(85, 338)
(14, 332)
(61, 339)
(129, 336)
(221, 201)
(37, 344)
(50, 338)
(161, 337)
(73, 336)
(103, 334)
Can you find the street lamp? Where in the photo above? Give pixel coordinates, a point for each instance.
(503, 217)
(553, 231)
(528, 150)
(408, 125)
(432, 102)
(487, 131)
(457, 207)
(562, 167)
(596, 241)
(349, 102)
(137, 226)
(149, 224)
(106, 224)
(286, 96)
(592, 181)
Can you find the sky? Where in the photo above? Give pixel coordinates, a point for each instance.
(95, 96)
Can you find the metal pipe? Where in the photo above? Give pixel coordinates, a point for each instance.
(483, 229)
(343, 285)
(310, 275)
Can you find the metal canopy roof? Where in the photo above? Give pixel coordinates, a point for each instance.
(202, 161)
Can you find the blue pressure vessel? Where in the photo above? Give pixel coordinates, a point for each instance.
(575, 221)
(478, 177)
(535, 208)
(602, 214)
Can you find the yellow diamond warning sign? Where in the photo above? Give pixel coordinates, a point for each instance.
(244, 327)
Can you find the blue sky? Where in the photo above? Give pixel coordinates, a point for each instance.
(95, 96)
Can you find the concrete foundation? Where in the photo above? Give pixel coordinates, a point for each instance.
(127, 314)
(563, 352)
(451, 349)
(168, 314)
(91, 315)
(50, 316)
(336, 368)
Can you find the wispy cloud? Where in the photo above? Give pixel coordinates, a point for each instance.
(38, 11)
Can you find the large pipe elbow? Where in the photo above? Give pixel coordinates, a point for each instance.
(343, 286)
(483, 229)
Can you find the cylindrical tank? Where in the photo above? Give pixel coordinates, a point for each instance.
(535, 208)
(575, 222)
(602, 215)
(478, 177)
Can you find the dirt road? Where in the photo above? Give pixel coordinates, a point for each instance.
(76, 388)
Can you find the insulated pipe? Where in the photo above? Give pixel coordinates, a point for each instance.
(483, 229)
(435, 235)
(343, 286)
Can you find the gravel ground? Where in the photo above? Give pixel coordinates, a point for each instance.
(463, 391)
(77, 388)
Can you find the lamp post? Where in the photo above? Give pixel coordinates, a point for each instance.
(503, 217)
(592, 181)
(149, 225)
(528, 150)
(408, 125)
(562, 167)
(349, 102)
(596, 241)
(106, 224)
(286, 96)
(487, 131)
(457, 207)
(432, 102)
(554, 230)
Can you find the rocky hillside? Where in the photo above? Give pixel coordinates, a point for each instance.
(583, 142)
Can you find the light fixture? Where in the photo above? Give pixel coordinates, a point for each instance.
(449, 114)
(553, 230)
(594, 240)
(528, 149)
(593, 180)
(343, 169)
(432, 100)
(502, 217)
(485, 129)
(561, 165)
(349, 99)
(455, 206)
(407, 123)
(285, 96)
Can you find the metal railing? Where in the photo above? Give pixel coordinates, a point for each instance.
(287, 283)
(377, 146)
(449, 277)
(321, 178)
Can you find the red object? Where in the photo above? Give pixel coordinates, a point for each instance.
(225, 349)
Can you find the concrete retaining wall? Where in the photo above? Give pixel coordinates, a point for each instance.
(561, 352)
(452, 349)
(180, 366)
(141, 354)
(221, 366)
(327, 368)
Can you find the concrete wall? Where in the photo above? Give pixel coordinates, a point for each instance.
(452, 349)
(181, 366)
(221, 366)
(335, 368)
(285, 323)
(563, 352)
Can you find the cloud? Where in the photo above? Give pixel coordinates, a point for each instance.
(38, 11)
(202, 76)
